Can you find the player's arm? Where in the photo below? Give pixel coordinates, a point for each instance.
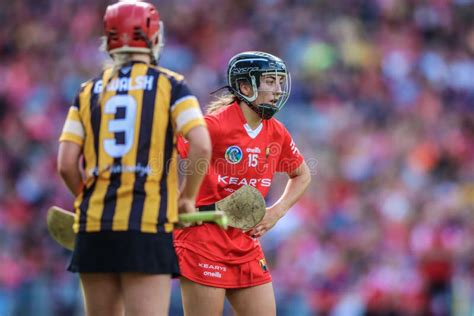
(68, 166)
(292, 163)
(190, 123)
(70, 149)
(297, 184)
(198, 157)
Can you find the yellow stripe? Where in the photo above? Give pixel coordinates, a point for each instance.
(191, 124)
(88, 149)
(73, 114)
(96, 203)
(182, 100)
(77, 203)
(169, 227)
(183, 106)
(156, 156)
(173, 74)
(150, 207)
(69, 126)
(125, 191)
(172, 183)
(70, 137)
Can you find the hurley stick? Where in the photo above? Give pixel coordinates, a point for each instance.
(242, 209)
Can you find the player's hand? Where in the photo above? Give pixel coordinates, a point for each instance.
(186, 206)
(272, 215)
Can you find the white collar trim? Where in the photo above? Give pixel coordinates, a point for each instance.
(253, 132)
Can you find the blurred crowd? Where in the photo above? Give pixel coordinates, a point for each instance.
(382, 107)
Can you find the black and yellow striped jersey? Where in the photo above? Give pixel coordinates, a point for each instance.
(127, 131)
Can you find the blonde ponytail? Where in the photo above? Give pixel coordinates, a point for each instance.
(220, 102)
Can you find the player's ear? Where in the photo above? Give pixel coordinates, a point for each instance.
(246, 88)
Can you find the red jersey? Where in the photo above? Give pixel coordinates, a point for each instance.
(240, 156)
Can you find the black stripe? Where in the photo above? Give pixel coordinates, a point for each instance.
(110, 199)
(162, 216)
(143, 152)
(95, 116)
(84, 206)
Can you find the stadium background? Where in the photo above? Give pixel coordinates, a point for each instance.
(381, 106)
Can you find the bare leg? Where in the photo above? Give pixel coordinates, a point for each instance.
(255, 300)
(146, 294)
(201, 300)
(102, 294)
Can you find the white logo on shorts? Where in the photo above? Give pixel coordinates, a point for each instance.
(212, 267)
(212, 274)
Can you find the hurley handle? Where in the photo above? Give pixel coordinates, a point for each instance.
(206, 216)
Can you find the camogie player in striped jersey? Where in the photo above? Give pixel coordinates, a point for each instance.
(123, 124)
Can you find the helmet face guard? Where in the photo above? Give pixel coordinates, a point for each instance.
(253, 67)
(133, 27)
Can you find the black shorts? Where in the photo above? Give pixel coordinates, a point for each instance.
(128, 251)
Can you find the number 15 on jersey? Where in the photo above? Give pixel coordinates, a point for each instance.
(253, 160)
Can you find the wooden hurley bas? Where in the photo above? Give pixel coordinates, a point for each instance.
(243, 209)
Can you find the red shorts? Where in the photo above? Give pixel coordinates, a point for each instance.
(208, 272)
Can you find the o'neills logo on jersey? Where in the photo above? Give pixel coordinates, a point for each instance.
(264, 182)
(233, 154)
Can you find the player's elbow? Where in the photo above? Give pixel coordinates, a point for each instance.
(303, 175)
(68, 159)
(306, 174)
(201, 149)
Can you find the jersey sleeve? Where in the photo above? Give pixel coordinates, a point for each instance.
(182, 143)
(185, 110)
(290, 156)
(73, 129)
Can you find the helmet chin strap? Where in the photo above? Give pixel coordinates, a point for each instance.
(264, 110)
(150, 46)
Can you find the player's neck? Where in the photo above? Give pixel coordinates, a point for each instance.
(252, 118)
(140, 57)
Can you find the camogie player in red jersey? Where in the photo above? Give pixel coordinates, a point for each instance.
(248, 147)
